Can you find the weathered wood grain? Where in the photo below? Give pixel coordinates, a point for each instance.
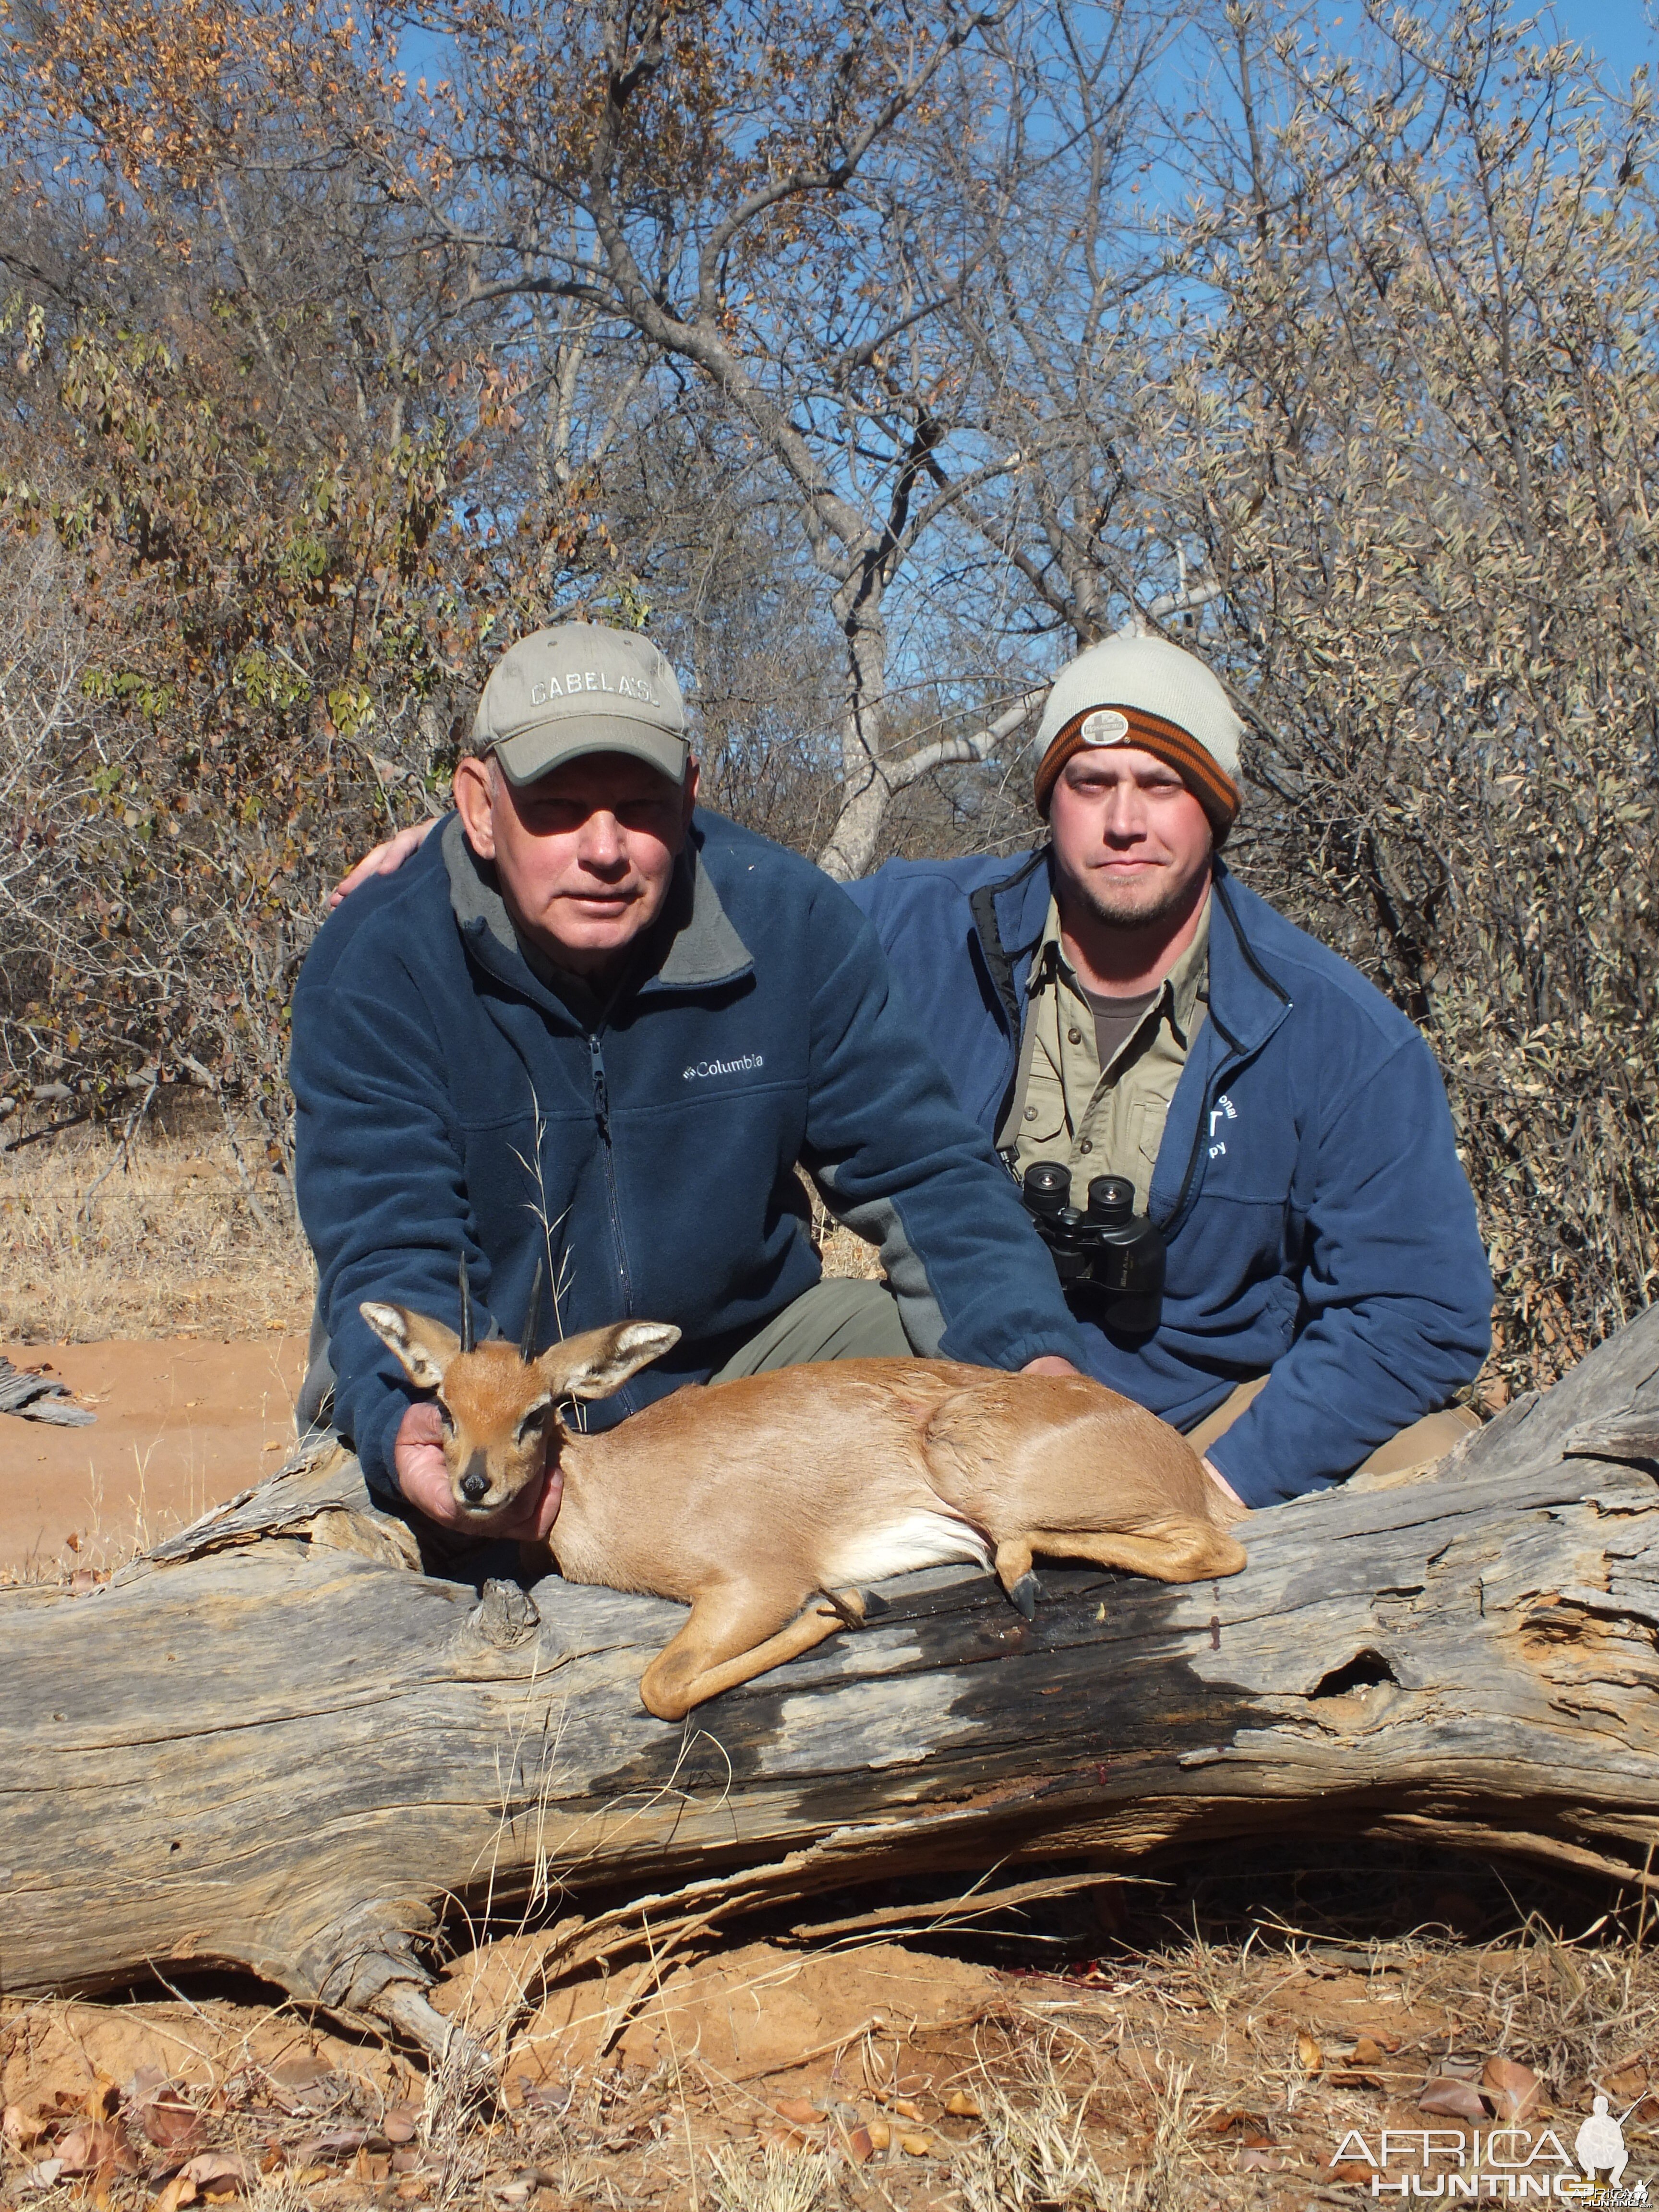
(284, 1741)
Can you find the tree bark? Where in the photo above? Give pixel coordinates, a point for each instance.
(270, 1744)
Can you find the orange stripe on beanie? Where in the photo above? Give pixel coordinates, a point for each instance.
(1145, 692)
(1203, 775)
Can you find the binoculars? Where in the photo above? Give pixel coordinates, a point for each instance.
(1110, 1259)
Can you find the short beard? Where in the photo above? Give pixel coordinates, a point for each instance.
(1126, 912)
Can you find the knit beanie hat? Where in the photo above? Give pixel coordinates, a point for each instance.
(1144, 691)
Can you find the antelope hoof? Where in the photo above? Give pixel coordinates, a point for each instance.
(1024, 1594)
(844, 1614)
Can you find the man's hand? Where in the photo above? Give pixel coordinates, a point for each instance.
(1050, 1364)
(423, 1478)
(1232, 1505)
(384, 860)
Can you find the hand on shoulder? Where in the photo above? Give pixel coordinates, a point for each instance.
(384, 860)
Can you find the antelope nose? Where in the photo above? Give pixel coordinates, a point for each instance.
(473, 1486)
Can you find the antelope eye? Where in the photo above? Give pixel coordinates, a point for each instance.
(446, 1419)
(533, 1422)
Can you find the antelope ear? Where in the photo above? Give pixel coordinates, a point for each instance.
(601, 1360)
(425, 1348)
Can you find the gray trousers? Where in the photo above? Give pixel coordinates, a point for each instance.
(841, 1318)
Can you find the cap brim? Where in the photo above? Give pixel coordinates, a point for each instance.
(529, 755)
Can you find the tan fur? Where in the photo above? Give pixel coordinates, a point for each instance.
(761, 1502)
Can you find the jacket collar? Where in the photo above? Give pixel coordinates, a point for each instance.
(704, 948)
(1246, 1000)
(1008, 918)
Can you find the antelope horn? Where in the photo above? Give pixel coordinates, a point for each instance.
(467, 1344)
(527, 1341)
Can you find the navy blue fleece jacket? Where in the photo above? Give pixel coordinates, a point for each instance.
(450, 1103)
(1320, 1225)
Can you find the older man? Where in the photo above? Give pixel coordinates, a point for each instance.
(592, 1030)
(1116, 1002)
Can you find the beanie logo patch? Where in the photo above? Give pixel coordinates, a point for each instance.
(1107, 727)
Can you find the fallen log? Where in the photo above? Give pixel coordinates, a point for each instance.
(288, 1742)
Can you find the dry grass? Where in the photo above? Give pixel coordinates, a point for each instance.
(840, 1251)
(170, 1243)
(1191, 2075)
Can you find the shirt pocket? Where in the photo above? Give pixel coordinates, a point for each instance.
(1040, 1117)
(1150, 1117)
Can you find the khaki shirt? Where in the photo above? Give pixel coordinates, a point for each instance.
(1100, 1120)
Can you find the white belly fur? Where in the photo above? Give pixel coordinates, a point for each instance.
(920, 1538)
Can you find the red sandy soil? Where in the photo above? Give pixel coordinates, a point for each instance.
(1217, 2081)
(180, 1425)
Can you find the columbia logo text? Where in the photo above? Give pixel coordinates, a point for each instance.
(743, 1065)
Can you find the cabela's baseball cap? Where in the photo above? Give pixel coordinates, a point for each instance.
(579, 688)
(1146, 692)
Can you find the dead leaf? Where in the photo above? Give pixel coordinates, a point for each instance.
(17, 2128)
(790, 2141)
(102, 2097)
(1514, 2089)
(859, 2147)
(336, 2142)
(85, 2149)
(1259, 2161)
(1350, 2169)
(915, 2146)
(170, 2124)
(905, 2109)
(1309, 2055)
(962, 2106)
(216, 2173)
(399, 2128)
(1370, 2052)
(879, 2133)
(300, 2073)
(1252, 2121)
(1446, 2093)
(181, 2189)
(44, 2175)
(801, 2110)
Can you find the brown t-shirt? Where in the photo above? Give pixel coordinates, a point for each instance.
(1116, 1020)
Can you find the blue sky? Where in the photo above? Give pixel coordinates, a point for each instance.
(1619, 31)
